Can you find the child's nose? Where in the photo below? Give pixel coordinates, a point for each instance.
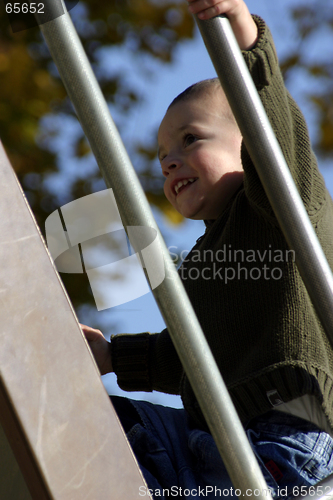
(170, 164)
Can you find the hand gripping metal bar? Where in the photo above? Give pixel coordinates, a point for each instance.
(190, 343)
(270, 164)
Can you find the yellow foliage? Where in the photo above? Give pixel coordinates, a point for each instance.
(82, 147)
(172, 214)
(42, 78)
(4, 62)
(160, 201)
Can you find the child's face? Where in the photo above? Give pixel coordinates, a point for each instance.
(198, 141)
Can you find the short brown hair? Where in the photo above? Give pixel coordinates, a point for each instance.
(202, 87)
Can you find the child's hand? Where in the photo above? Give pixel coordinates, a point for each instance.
(244, 28)
(100, 348)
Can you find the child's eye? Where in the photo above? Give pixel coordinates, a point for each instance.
(188, 139)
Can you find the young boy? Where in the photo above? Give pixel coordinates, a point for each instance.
(247, 293)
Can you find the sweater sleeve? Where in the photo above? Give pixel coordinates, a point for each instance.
(288, 125)
(146, 362)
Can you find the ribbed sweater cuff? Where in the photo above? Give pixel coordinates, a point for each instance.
(262, 59)
(130, 361)
(291, 380)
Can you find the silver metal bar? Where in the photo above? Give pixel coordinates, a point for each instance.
(271, 166)
(176, 309)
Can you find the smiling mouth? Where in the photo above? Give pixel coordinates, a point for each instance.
(185, 184)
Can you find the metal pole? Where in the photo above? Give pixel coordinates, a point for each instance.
(271, 166)
(184, 328)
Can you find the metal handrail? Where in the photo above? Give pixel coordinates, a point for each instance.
(184, 328)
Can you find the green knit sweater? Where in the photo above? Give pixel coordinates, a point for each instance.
(244, 286)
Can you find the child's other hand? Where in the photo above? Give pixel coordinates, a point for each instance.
(206, 9)
(244, 28)
(100, 348)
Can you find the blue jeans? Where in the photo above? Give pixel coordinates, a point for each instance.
(185, 462)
